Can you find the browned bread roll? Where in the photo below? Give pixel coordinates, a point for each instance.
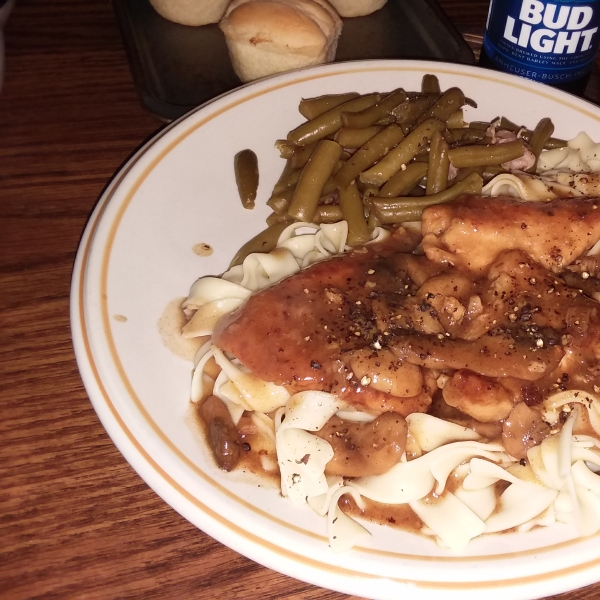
(270, 36)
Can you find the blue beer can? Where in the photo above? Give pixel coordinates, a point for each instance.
(550, 42)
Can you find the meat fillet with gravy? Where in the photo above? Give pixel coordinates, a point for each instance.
(485, 314)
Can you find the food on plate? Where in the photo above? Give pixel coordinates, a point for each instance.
(450, 367)
(245, 166)
(191, 12)
(357, 8)
(270, 36)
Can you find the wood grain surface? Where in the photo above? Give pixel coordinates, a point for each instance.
(75, 520)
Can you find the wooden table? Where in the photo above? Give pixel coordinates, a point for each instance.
(76, 521)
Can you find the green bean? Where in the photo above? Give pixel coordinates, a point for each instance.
(353, 212)
(329, 122)
(403, 209)
(286, 174)
(403, 153)
(466, 171)
(329, 187)
(437, 173)
(463, 135)
(312, 180)
(245, 166)
(327, 213)
(455, 120)
(301, 155)
(450, 101)
(367, 189)
(550, 144)
(372, 114)
(411, 109)
(280, 201)
(490, 171)
(274, 218)
(367, 155)
(479, 125)
(265, 241)
(404, 180)
(417, 191)
(311, 108)
(541, 134)
(505, 123)
(430, 84)
(286, 149)
(475, 156)
(349, 137)
(373, 221)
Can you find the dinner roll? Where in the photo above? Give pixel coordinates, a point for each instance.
(357, 8)
(270, 36)
(191, 12)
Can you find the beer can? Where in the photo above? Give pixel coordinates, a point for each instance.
(550, 42)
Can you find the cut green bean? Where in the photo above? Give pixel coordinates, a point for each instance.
(329, 122)
(372, 114)
(551, 143)
(353, 212)
(280, 201)
(327, 213)
(450, 101)
(265, 241)
(480, 125)
(373, 221)
(311, 108)
(477, 156)
(349, 137)
(301, 155)
(284, 179)
(285, 148)
(437, 173)
(404, 180)
(466, 171)
(274, 218)
(403, 209)
(312, 180)
(367, 189)
(365, 157)
(430, 84)
(465, 135)
(456, 120)
(540, 136)
(416, 192)
(245, 166)
(411, 109)
(403, 153)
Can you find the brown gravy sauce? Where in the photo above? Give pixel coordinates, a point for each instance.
(399, 516)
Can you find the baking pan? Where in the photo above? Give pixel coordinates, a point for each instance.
(176, 67)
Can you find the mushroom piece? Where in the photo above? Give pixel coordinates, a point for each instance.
(477, 396)
(523, 429)
(222, 435)
(363, 449)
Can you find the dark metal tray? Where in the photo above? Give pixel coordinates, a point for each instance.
(176, 67)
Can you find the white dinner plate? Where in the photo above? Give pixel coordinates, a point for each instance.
(136, 256)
